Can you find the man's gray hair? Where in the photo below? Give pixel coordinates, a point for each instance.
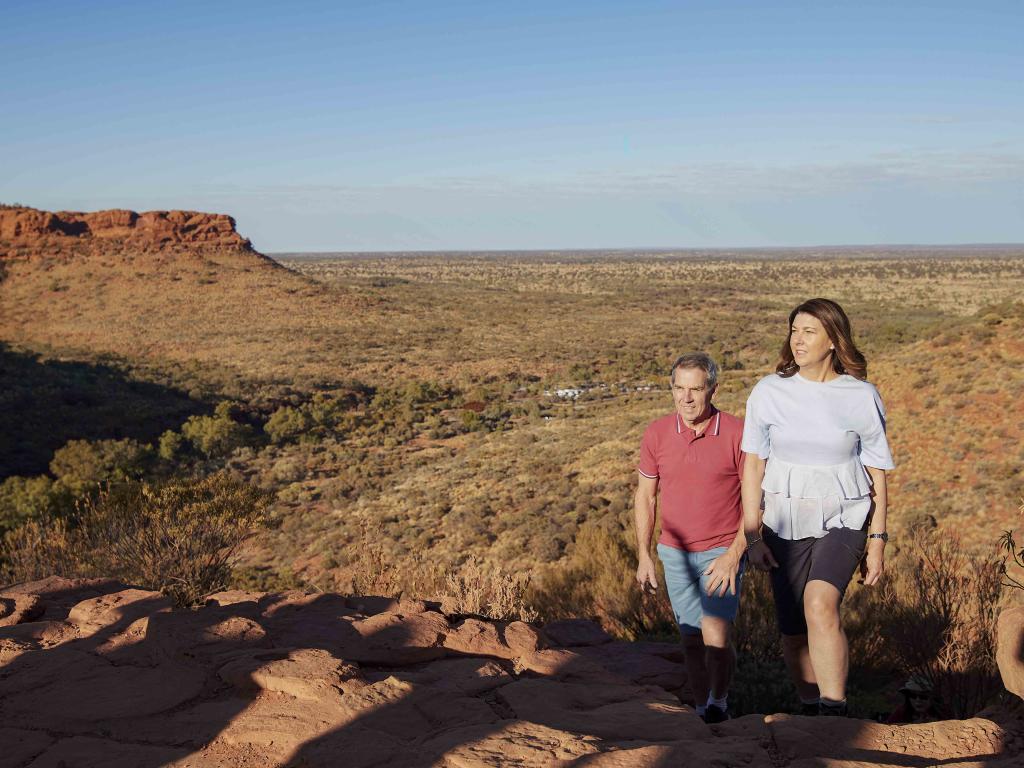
(699, 360)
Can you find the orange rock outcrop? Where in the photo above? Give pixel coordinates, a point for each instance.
(24, 228)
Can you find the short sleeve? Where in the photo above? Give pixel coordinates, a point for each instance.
(874, 446)
(648, 466)
(755, 429)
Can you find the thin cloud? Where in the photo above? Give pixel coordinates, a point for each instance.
(693, 179)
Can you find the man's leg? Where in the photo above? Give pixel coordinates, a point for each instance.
(721, 658)
(682, 582)
(696, 670)
(717, 614)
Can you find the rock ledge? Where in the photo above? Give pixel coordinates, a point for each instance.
(95, 673)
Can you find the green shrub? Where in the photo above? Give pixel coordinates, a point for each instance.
(179, 538)
(170, 445)
(288, 423)
(81, 464)
(218, 435)
(31, 498)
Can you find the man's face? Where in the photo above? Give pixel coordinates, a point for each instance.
(691, 394)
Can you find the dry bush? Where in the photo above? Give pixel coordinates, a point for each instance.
(179, 538)
(475, 588)
(471, 587)
(599, 581)
(372, 571)
(938, 610)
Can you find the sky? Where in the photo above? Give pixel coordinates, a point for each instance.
(355, 126)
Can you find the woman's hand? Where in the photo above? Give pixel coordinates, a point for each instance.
(873, 564)
(761, 557)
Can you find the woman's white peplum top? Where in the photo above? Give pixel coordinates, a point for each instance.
(817, 438)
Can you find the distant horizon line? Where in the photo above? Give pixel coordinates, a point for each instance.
(659, 249)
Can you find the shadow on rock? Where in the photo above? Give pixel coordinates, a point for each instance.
(94, 673)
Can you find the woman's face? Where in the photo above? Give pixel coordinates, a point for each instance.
(809, 341)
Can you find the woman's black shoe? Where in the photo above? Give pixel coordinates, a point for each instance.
(836, 709)
(715, 715)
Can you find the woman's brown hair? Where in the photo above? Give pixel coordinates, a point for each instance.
(846, 358)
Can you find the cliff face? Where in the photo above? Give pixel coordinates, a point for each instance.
(27, 229)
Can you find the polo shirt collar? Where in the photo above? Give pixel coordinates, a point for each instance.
(711, 429)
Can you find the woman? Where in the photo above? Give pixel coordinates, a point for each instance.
(814, 433)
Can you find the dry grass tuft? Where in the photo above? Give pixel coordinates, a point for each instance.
(179, 538)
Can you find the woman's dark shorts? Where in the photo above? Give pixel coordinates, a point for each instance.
(832, 558)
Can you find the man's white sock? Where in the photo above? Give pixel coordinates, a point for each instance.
(721, 703)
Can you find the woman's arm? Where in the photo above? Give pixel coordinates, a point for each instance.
(874, 561)
(750, 491)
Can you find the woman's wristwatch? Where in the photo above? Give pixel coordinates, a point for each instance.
(884, 536)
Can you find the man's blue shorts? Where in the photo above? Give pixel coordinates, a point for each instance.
(687, 587)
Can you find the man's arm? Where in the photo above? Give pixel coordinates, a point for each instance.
(874, 563)
(645, 511)
(750, 490)
(723, 569)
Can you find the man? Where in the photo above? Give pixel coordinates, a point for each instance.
(693, 457)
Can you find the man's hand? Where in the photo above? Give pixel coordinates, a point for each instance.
(723, 570)
(647, 574)
(873, 564)
(761, 557)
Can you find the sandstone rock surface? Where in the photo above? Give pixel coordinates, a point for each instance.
(95, 673)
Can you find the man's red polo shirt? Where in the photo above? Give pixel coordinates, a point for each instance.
(699, 479)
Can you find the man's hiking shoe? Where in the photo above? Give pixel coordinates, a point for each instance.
(832, 710)
(809, 710)
(715, 715)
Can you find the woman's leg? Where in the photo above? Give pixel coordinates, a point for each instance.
(826, 641)
(788, 583)
(834, 559)
(798, 662)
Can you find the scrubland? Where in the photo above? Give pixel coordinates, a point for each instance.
(402, 411)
